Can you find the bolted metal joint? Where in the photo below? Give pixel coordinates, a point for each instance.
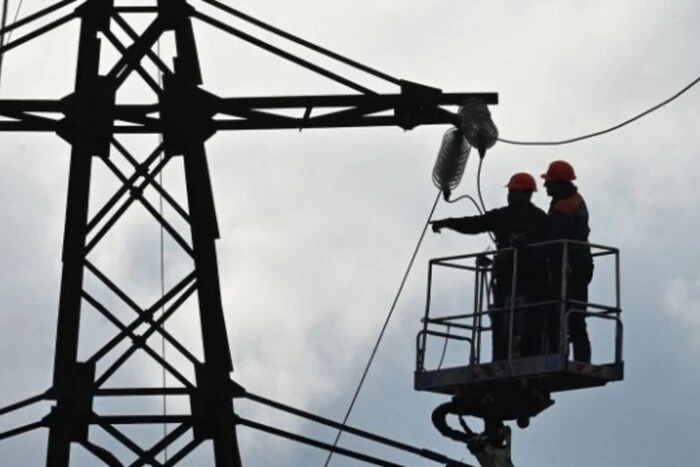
(96, 12)
(136, 192)
(172, 13)
(138, 341)
(73, 409)
(211, 407)
(89, 117)
(421, 104)
(187, 115)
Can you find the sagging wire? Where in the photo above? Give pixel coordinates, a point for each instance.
(607, 130)
(444, 347)
(481, 212)
(476, 128)
(383, 330)
(477, 121)
(470, 198)
(481, 209)
(478, 185)
(447, 173)
(481, 197)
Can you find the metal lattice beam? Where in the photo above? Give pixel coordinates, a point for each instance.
(92, 122)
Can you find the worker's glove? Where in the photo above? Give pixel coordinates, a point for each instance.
(438, 225)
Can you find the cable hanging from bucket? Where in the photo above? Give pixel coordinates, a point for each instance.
(477, 129)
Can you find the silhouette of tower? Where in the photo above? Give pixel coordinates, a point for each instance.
(92, 121)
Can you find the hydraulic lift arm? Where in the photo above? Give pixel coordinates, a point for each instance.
(492, 448)
(489, 455)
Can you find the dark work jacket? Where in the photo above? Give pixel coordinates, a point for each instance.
(568, 220)
(506, 222)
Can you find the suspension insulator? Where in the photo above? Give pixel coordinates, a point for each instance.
(451, 161)
(477, 125)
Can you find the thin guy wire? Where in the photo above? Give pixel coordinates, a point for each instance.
(3, 23)
(14, 20)
(381, 333)
(9, 34)
(162, 268)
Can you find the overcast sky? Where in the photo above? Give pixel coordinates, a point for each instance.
(317, 227)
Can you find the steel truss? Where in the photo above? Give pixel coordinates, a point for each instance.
(186, 116)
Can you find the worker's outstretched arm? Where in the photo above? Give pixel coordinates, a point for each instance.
(465, 225)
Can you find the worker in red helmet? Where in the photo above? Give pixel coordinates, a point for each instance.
(568, 220)
(506, 223)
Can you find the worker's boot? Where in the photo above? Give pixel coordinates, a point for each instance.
(582, 349)
(578, 335)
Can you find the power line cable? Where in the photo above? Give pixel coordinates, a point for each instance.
(481, 198)
(444, 347)
(3, 23)
(482, 210)
(394, 80)
(608, 130)
(470, 198)
(14, 20)
(384, 327)
(316, 48)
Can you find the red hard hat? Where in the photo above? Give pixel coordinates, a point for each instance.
(522, 181)
(559, 171)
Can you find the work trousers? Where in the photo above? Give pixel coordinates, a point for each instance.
(577, 289)
(528, 326)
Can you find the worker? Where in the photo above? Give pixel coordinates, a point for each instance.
(568, 220)
(518, 217)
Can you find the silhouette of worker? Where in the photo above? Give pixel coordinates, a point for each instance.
(517, 218)
(568, 220)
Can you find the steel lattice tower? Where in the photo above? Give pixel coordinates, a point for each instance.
(92, 122)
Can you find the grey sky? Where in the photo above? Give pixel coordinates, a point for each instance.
(318, 226)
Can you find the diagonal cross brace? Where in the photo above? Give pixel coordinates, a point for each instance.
(136, 192)
(139, 341)
(186, 286)
(187, 115)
